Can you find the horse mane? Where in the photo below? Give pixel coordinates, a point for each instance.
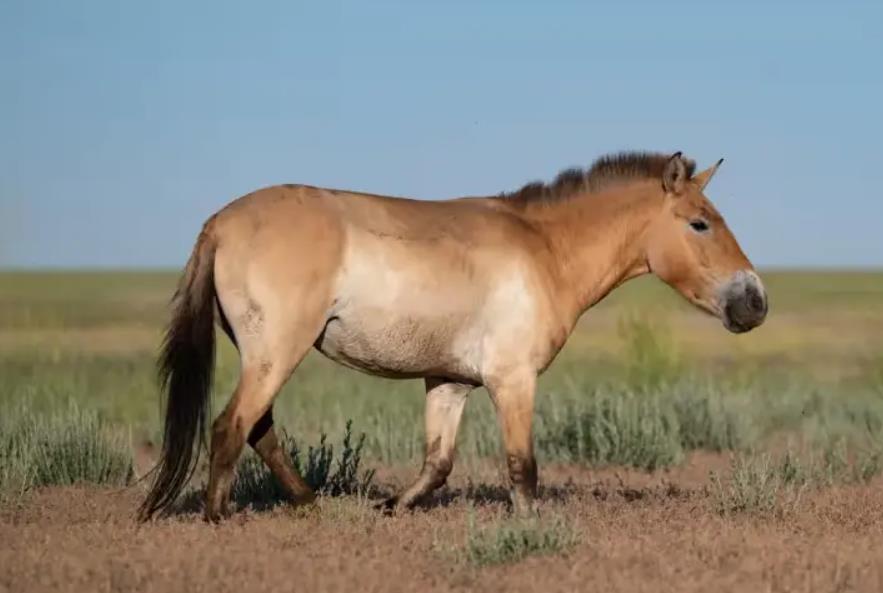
(606, 171)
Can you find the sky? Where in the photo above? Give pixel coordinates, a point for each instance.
(124, 125)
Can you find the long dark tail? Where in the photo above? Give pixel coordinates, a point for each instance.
(185, 373)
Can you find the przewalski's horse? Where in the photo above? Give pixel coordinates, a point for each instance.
(462, 293)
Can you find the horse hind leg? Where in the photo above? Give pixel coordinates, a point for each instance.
(248, 418)
(252, 397)
(276, 303)
(266, 444)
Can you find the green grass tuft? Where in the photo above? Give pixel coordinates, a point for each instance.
(510, 540)
(754, 487)
(67, 447)
(614, 429)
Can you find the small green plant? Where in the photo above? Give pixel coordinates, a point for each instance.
(256, 486)
(793, 471)
(754, 487)
(345, 478)
(510, 540)
(868, 465)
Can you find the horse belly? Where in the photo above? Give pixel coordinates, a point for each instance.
(382, 343)
(404, 307)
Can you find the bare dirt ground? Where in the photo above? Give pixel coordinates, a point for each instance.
(639, 532)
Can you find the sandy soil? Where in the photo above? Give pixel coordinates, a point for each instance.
(639, 533)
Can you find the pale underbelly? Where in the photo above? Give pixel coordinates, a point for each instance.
(397, 346)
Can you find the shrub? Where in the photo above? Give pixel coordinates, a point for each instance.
(66, 447)
(710, 421)
(256, 486)
(754, 487)
(614, 429)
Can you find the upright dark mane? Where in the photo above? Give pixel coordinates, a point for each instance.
(606, 171)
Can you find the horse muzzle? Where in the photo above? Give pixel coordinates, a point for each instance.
(743, 302)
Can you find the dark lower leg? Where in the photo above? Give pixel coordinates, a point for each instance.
(514, 401)
(523, 479)
(228, 438)
(266, 444)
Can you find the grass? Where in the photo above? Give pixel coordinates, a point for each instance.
(608, 428)
(509, 540)
(754, 487)
(67, 447)
(762, 484)
(643, 381)
(652, 359)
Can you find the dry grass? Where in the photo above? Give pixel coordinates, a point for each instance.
(638, 532)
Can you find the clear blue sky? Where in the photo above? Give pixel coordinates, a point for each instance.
(123, 125)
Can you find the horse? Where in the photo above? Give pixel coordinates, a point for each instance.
(462, 293)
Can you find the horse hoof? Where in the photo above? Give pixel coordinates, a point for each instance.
(388, 507)
(213, 517)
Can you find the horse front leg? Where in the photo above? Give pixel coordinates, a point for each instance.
(513, 397)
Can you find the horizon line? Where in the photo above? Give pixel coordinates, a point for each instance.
(149, 269)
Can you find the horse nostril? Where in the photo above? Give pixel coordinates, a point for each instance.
(756, 302)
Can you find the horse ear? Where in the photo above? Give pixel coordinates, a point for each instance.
(675, 174)
(702, 179)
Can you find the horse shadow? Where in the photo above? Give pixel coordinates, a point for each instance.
(473, 494)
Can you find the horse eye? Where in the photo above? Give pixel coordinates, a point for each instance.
(699, 225)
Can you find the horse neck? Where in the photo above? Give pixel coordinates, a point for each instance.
(597, 240)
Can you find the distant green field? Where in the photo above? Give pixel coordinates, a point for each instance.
(65, 300)
(91, 338)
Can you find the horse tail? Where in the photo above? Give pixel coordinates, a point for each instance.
(185, 375)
